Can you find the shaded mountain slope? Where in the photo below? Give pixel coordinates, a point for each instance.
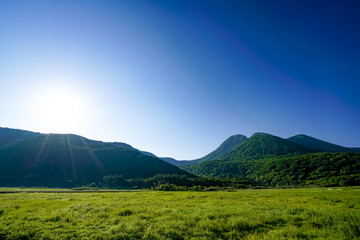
(128, 146)
(178, 163)
(9, 135)
(70, 160)
(356, 149)
(148, 154)
(317, 144)
(171, 161)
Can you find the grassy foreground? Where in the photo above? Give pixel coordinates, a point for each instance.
(246, 214)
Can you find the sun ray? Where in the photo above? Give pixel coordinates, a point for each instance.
(40, 153)
(93, 156)
(60, 110)
(73, 167)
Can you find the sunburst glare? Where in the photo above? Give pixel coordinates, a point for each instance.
(60, 110)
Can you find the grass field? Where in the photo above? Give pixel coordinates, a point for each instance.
(246, 214)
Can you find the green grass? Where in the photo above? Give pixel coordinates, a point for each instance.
(9, 189)
(246, 214)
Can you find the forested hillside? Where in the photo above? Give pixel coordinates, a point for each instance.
(71, 160)
(273, 161)
(9, 135)
(236, 162)
(67, 160)
(322, 169)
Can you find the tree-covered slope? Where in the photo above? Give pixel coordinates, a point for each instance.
(273, 161)
(171, 161)
(322, 169)
(69, 160)
(356, 149)
(262, 145)
(9, 135)
(313, 143)
(237, 161)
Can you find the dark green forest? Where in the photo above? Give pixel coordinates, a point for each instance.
(65, 160)
(241, 158)
(319, 169)
(272, 161)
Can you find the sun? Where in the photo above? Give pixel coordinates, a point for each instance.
(60, 110)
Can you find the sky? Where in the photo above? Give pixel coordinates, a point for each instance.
(176, 78)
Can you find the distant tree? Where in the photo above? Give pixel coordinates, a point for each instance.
(115, 181)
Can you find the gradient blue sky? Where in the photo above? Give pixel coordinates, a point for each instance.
(176, 78)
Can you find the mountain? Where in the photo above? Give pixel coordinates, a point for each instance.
(227, 146)
(237, 161)
(178, 163)
(125, 145)
(66, 160)
(316, 144)
(171, 160)
(272, 161)
(262, 145)
(356, 149)
(9, 135)
(148, 154)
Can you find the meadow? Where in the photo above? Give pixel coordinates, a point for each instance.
(245, 214)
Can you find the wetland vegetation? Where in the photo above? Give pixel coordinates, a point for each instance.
(246, 214)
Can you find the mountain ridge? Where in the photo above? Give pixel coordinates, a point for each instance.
(235, 163)
(67, 160)
(11, 135)
(317, 144)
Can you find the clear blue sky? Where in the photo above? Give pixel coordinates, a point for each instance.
(176, 78)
